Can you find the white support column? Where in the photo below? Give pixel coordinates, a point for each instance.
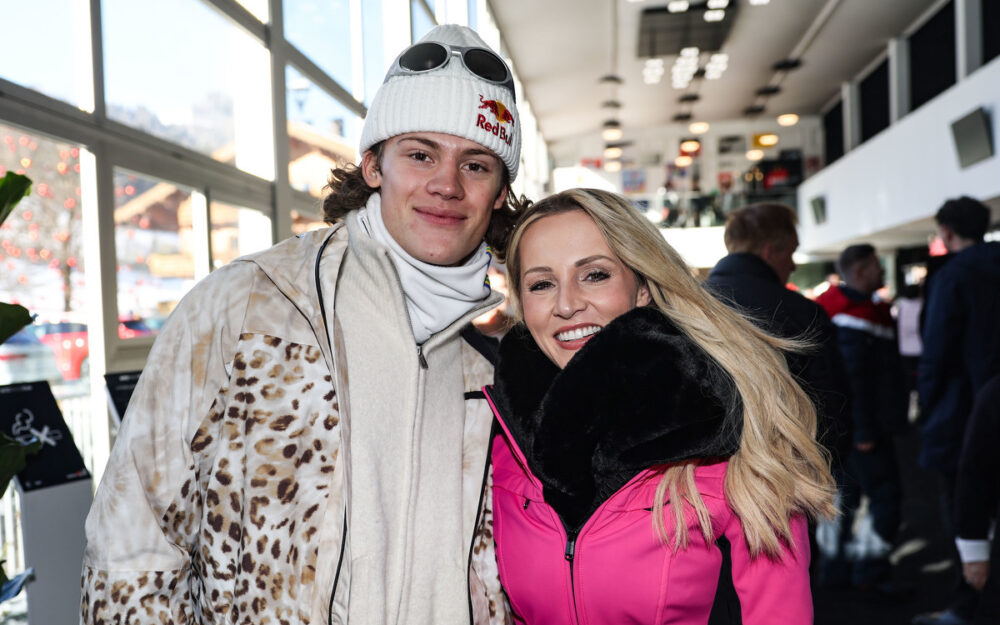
(968, 37)
(899, 79)
(851, 97)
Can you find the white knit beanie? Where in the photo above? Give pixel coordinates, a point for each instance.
(450, 100)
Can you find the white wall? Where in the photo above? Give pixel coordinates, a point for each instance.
(907, 171)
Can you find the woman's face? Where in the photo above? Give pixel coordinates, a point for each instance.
(572, 283)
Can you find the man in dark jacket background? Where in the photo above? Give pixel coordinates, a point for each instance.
(761, 239)
(961, 337)
(879, 404)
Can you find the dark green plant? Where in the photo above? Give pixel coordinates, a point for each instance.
(13, 188)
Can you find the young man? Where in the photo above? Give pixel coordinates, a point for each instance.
(961, 353)
(867, 338)
(308, 443)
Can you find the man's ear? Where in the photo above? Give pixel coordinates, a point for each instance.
(370, 170)
(501, 197)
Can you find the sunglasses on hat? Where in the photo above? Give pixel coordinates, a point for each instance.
(431, 55)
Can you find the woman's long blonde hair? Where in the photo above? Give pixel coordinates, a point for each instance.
(779, 468)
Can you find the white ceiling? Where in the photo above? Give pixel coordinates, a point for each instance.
(561, 48)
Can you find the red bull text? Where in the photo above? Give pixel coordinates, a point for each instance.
(500, 114)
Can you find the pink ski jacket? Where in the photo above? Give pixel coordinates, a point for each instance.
(617, 571)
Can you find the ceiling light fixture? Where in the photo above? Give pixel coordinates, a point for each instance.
(759, 3)
(612, 130)
(683, 160)
(718, 4)
(753, 110)
(768, 140)
(788, 119)
(698, 128)
(769, 90)
(690, 145)
(786, 65)
(755, 155)
(682, 117)
(715, 15)
(612, 151)
(678, 6)
(613, 166)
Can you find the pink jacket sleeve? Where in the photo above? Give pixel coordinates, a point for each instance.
(773, 591)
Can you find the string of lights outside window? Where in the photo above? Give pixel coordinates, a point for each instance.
(690, 66)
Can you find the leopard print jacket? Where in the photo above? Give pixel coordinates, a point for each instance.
(223, 500)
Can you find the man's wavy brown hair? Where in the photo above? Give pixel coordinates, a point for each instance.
(348, 191)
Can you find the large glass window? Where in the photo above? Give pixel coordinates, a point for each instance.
(322, 133)
(237, 230)
(991, 30)
(45, 46)
(259, 9)
(182, 72)
(420, 20)
(322, 31)
(932, 56)
(874, 92)
(375, 64)
(42, 268)
(833, 133)
(161, 247)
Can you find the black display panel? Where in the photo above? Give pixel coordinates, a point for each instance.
(30, 410)
(120, 386)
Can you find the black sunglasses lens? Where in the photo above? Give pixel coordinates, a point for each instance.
(486, 65)
(423, 56)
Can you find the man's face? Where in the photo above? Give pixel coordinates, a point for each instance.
(779, 256)
(949, 239)
(868, 275)
(438, 193)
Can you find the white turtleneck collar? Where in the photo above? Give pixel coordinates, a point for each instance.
(435, 296)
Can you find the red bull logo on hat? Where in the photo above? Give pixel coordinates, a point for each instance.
(502, 116)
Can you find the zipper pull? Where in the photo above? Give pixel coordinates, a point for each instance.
(570, 547)
(420, 356)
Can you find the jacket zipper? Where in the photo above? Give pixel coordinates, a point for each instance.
(420, 357)
(570, 555)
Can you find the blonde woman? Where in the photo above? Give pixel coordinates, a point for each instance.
(657, 462)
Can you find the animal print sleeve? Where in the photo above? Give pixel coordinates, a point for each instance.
(144, 519)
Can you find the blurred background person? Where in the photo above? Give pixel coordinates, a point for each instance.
(867, 339)
(961, 351)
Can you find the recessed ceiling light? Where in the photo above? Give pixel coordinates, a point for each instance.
(612, 151)
(689, 97)
(690, 51)
(718, 4)
(682, 117)
(788, 119)
(613, 166)
(769, 90)
(690, 145)
(755, 155)
(753, 110)
(759, 2)
(698, 128)
(767, 140)
(715, 15)
(612, 130)
(683, 160)
(678, 6)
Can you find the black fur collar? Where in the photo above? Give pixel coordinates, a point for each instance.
(638, 394)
